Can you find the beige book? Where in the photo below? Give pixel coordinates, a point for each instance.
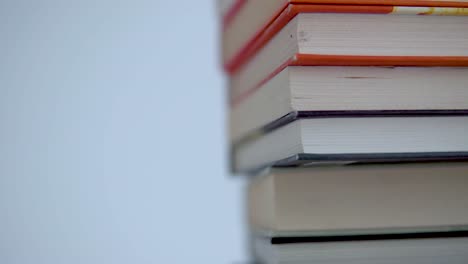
(360, 199)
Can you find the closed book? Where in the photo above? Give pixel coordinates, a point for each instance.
(450, 248)
(248, 24)
(319, 38)
(359, 200)
(300, 89)
(329, 137)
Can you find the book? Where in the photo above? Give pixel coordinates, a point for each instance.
(359, 200)
(451, 248)
(352, 39)
(299, 89)
(246, 22)
(358, 138)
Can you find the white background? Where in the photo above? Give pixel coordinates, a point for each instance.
(112, 139)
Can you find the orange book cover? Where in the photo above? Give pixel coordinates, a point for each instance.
(291, 8)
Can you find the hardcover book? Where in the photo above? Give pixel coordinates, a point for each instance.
(320, 38)
(366, 90)
(433, 248)
(359, 200)
(247, 25)
(347, 137)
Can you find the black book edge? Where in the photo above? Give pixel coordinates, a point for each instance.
(356, 159)
(305, 159)
(367, 237)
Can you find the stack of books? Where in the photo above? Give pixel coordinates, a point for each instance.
(351, 119)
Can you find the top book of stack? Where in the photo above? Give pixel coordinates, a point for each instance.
(249, 25)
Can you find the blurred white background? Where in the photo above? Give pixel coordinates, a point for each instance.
(112, 140)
